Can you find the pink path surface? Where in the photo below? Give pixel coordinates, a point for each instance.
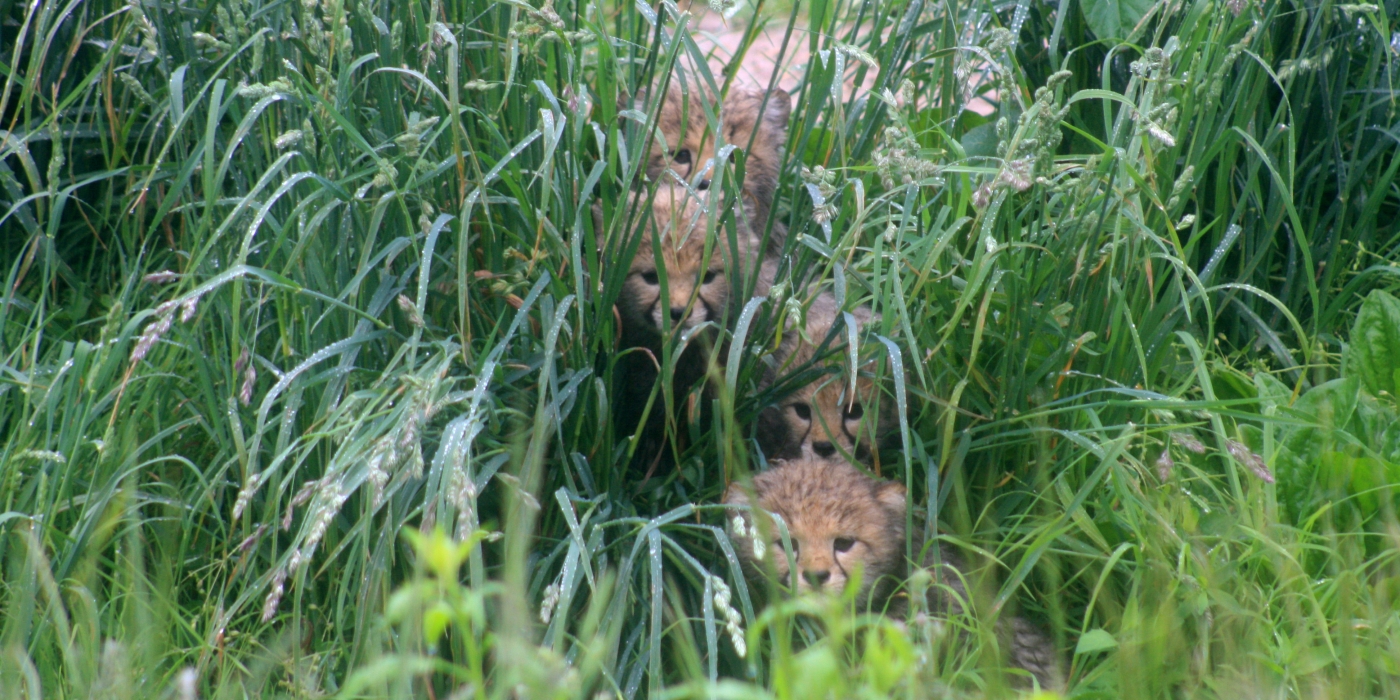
(720, 39)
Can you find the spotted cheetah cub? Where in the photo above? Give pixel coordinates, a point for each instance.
(823, 417)
(697, 266)
(749, 118)
(842, 521)
(701, 265)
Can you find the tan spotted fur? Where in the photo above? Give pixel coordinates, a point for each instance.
(842, 521)
(697, 275)
(824, 418)
(750, 119)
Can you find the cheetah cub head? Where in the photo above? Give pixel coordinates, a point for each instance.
(697, 260)
(825, 418)
(840, 521)
(749, 118)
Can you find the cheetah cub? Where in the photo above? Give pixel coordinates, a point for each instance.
(697, 268)
(841, 521)
(687, 148)
(823, 417)
(703, 276)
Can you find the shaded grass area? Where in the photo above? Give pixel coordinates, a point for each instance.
(286, 281)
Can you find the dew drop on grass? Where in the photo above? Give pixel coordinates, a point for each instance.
(1019, 17)
(1231, 233)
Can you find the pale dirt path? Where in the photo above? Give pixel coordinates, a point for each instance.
(720, 39)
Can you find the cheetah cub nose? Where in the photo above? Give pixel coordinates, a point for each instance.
(704, 185)
(817, 579)
(677, 313)
(824, 449)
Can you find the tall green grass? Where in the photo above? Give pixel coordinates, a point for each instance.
(286, 282)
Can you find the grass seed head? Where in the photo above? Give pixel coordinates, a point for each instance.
(289, 138)
(245, 392)
(733, 621)
(150, 336)
(551, 599)
(1250, 460)
(137, 90)
(186, 684)
(1188, 441)
(188, 308)
(162, 277)
(44, 456)
(274, 595)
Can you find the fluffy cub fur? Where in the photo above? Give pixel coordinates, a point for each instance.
(702, 287)
(841, 521)
(687, 147)
(697, 269)
(821, 419)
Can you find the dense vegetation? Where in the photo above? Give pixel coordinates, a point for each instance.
(287, 283)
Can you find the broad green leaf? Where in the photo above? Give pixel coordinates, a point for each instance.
(441, 555)
(817, 673)
(1344, 474)
(888, 658)
(1272, 392)
(435, 622)
(1327, 408)
(1310, 660)
(1095, 640)
(1114, 19)
(1374, 353)
(981, 140)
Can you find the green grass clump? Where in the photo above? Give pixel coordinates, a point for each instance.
(285, 283)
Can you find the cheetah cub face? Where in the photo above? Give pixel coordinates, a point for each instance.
(824, 418)
(682, 129)
(840, 522)
(749, 119)
(697, 263)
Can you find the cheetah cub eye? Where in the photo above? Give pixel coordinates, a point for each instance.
(683, 156)
(843, 544)
(651, 278)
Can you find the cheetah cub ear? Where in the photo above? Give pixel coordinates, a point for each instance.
(893, 496)
(742, 118)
